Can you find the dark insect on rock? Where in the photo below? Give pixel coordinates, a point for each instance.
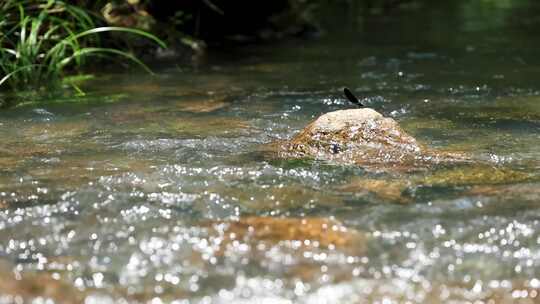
(335, 148)
(350, 96)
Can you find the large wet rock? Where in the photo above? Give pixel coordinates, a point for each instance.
(363, 137)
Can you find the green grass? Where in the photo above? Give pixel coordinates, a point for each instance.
(42, 39)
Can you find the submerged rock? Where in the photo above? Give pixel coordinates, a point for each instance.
(293, 248)
(203, 106)
(35, 288)
(417, 124)
(363, 137)
(19, 150)
(76, 171)
(8, 162)
(482, 179)
(529, 192)
(311, 233)
(56, 131)
(479, 174)
(277, 199)
(387, 190)
(203, 127)
(135, 113)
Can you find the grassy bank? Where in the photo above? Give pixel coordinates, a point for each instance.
(41, 40)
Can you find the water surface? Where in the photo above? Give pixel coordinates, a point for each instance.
(146, 188)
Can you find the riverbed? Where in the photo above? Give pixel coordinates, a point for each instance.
(161, 188)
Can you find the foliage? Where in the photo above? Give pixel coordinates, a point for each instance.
(41, 39)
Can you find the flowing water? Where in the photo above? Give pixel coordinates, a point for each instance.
(159, 188)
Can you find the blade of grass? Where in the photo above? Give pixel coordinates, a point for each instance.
(91, 51)
(9, 51)
(5, 78)
(120, 29)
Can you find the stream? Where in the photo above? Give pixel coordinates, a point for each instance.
(160, 188)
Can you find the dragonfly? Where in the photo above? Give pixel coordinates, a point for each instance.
(350, 96)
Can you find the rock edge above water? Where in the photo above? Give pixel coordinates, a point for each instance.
(363, 137)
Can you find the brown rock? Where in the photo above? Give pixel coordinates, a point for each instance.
(31, 286)
(388, 190)
(130, 14)
(202, 106)
(201, 126)
(311, 232)
(277, 198)
(363, 137)
(295, 238)
(54, 131)
(478, 174)
(525, 191)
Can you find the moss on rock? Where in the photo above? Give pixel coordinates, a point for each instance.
(479, 174)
